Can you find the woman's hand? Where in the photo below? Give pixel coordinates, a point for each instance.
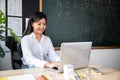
(50, 65)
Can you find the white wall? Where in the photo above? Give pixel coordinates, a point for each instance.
(2, 5)
(5, 63)
(2, 8)
(106, 57)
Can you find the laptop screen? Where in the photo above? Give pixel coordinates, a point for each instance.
(75, 53)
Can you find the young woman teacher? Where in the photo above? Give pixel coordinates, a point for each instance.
(37, 48)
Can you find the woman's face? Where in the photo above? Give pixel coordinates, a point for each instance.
(39, 26)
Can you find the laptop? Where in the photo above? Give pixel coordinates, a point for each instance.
(75, 53)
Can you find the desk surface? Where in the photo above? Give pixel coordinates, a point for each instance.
(108, 74)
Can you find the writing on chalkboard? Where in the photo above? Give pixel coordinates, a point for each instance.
(83, 20)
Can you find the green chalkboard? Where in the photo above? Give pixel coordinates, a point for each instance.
(83, 20)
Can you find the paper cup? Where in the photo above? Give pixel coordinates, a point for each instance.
(68, 71)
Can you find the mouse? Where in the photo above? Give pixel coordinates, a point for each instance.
(56, 68)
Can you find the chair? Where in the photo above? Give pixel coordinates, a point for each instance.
(16, 52)
(17, 60)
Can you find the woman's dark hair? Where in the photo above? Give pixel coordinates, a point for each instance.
(36, 16)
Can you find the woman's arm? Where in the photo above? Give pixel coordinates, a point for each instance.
(53, 56)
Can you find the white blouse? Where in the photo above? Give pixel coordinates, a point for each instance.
(36, 53)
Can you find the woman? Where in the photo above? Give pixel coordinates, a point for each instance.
(36, 46)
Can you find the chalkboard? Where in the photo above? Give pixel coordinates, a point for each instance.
(83, 20)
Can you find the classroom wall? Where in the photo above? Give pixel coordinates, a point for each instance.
(2, 8)
(104, 57)
(5, 63)
(2, 5)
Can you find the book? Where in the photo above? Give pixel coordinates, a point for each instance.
(95, 72)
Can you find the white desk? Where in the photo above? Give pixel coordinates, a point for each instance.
(108, 74)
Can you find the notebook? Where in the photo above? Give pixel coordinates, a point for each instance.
(75, 53)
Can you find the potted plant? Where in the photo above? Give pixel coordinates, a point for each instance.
(3, 29)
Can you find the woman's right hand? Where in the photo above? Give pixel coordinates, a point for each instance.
(50, 65)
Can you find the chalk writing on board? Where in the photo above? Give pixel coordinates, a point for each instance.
(83, 20)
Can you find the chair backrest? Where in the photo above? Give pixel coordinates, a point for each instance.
(16, 58)
(20, 50)
(16, 52)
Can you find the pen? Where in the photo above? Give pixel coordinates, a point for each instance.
(77, 76)
(45, 76)
(81, 76)
(41, 77)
